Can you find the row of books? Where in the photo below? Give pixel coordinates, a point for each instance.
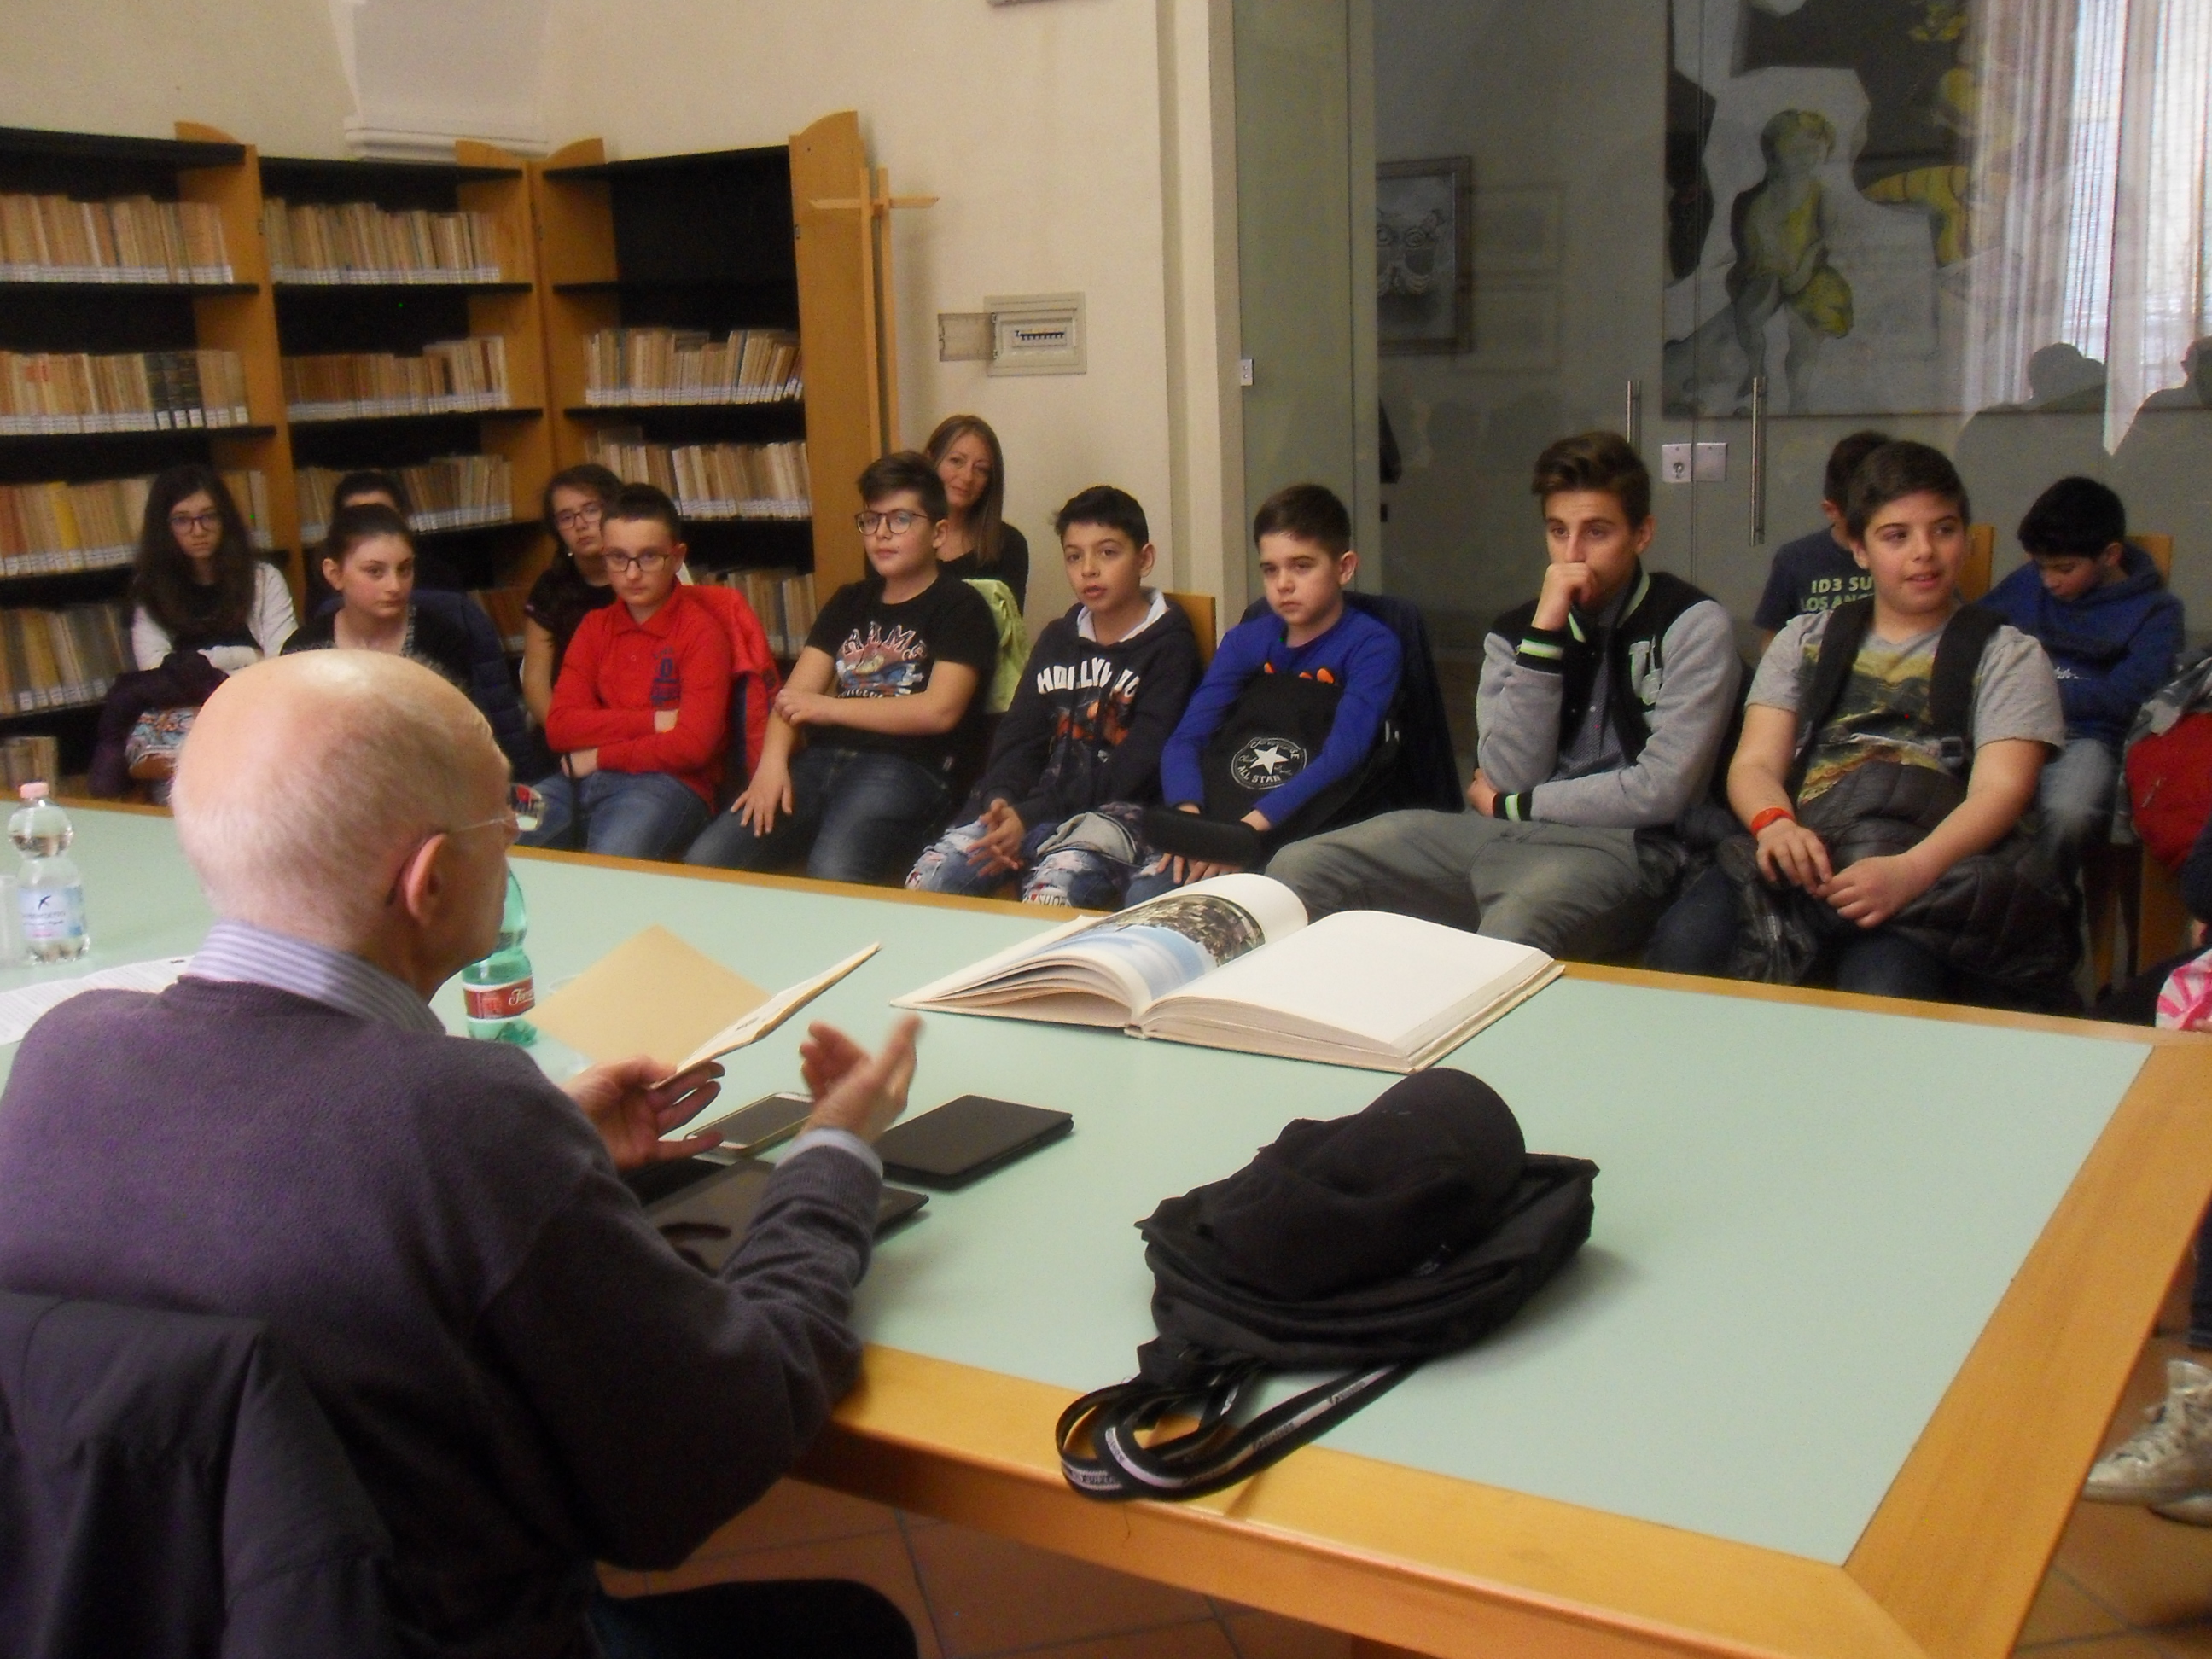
(504, 606)
(131, 239)
(782, 600)
(359, 242)
(717, 481)
(452, 377)
(29, 758)
(61, 658)
(626, 366)
(46, 393)
(452, 492)
(53, 529)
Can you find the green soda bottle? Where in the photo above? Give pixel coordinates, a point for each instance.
(499, 990)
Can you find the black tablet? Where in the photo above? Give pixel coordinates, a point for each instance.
(967, 1138)
(706, 1221)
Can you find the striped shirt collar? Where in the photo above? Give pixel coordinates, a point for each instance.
(239, 953)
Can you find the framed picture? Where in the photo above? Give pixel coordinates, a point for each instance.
(1424, 256)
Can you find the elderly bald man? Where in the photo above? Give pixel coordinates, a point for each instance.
(527, 1379)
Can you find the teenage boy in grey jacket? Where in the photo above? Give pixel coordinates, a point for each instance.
(1602, 709)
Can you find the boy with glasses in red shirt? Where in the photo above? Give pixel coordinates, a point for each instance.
(641, 712)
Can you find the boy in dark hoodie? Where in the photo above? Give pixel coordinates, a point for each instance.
(1104, 687)
(2111, 630)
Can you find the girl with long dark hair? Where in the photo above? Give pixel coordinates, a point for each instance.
(979, 542)
(198, 584)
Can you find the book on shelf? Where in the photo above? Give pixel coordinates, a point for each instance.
(1232, 963)
(360, 244)
(626, 365)
(130, 239)
(29, 758)
(715, 481)
(60, 393)
(452, 492)
(782, 600)
(452, 377)
(56, 528)
(504, 606)
(61, 658)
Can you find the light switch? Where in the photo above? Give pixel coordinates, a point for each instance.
(1674, 461)
(1711, 465)
(1243, 371)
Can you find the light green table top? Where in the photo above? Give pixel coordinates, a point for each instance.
(1806, 1215)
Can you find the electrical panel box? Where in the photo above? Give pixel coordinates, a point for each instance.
(1037, 334)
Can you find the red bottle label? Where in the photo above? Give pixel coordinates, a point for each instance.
(508, 1001)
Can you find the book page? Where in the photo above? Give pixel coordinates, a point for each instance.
(1119, 965)
(1387, 982)
(19, 1008)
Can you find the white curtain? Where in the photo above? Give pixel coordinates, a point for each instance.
(2090, 196)
(2160, 299)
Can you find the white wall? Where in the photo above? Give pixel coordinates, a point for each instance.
(1039, 127)
(1078, 144)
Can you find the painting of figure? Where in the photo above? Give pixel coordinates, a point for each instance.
(1840, 133)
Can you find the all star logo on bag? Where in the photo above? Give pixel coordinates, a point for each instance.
(1266, 762)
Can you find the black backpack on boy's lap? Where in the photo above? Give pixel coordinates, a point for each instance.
(1366, 1245)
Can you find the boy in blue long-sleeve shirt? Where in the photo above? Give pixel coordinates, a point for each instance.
(2112, 631)
(1293, 703)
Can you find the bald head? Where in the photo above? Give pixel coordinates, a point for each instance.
(306, 779)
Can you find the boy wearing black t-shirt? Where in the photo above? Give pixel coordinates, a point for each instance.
(884, 691)
(1818, 572)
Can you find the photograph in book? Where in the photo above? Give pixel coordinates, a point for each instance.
(1231, 963)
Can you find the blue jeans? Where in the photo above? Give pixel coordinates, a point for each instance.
(773, 1619)
(629, 814)
(2073, 799)
(1698, 934)
(856, 815)
(1068, 875)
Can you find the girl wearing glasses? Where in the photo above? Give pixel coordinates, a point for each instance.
(198, 585)
(574, 585)
(979, 544)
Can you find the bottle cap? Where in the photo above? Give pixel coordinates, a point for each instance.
(33, 791)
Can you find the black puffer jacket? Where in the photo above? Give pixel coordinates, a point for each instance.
(2005, 915)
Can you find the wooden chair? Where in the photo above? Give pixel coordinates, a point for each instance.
(1974, 569)
(2121, 887)
(1199, 607)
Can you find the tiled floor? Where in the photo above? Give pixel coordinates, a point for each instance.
(2126, 1584)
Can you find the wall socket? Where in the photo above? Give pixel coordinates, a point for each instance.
(1674, 463)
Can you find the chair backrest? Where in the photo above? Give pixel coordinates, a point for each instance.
(2160, 546)
(179, 1461)
(1974, 569)
(1199, 607)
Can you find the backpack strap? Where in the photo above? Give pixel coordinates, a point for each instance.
(1218, 1452)
(1951, 682)
(1845, 632)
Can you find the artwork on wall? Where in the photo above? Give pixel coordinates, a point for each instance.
(1819, 232)
(1423, 256)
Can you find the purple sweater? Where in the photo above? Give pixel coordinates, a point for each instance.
(526, 1378)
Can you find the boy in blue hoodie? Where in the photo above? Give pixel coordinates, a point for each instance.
(2112, 631)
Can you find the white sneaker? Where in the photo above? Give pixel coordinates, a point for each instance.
(2170, 1457)
(2194, 1510)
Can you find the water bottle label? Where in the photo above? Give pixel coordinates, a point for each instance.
(493, 1002)
(51, 915)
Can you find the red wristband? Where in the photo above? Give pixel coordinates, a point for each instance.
(1771, 815)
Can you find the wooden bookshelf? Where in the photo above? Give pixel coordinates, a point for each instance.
(381, 315)
(718, 242)
(136, 316)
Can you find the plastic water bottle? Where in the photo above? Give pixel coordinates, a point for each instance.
(499, 991)
(49, 891)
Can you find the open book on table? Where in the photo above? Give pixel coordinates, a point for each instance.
(1231, 963)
